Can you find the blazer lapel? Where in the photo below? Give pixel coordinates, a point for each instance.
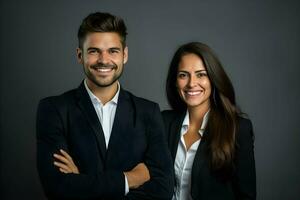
(200, 156)
(90, 114)
(198, 166)
(123, 118)
(175, 135)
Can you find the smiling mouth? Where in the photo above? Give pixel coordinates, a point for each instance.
(193, 93)
(104, 70)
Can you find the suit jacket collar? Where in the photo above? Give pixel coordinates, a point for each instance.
(175, 130)
(186, 123)
(96, 99)
(175, 135)
(122, 123)
(86, 106)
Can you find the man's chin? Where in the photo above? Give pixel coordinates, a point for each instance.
(104, 84)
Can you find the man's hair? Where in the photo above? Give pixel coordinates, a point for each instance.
(102, 22)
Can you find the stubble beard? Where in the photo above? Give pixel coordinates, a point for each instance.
(103, 84)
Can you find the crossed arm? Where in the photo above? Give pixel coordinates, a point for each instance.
(69, 183)
(135, 177)
(59, 182)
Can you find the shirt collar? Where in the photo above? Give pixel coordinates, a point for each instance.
(97, 100)
(186, 122)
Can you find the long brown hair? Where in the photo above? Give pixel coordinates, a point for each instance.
(222, 123)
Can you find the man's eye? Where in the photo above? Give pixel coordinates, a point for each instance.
(92, 51)
(113, 51)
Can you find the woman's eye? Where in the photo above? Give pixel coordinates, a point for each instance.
(182, 75)
(201, 74)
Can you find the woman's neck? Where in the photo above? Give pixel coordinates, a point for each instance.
(197, 113)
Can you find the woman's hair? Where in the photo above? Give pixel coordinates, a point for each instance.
(222, 123)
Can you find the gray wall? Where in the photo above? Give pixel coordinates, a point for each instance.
(257, 41)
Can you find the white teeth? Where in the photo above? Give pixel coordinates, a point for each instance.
(104, 69)
(193, 93)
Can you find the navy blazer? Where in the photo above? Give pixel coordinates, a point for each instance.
(70, 122)
(238, 184)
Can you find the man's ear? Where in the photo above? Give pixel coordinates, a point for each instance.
(79, 55)
(125, 55)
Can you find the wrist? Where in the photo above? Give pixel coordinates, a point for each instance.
(130, 179)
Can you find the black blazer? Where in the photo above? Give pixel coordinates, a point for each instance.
(240, 184)
(70, 122)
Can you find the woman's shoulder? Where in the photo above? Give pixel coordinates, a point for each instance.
(245, 129)
(244, 123)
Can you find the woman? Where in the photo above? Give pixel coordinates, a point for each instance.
(211, 144)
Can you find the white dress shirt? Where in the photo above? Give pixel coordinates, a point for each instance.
(184, 161)
(106, 115)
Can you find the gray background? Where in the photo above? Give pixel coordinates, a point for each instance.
(257, 41)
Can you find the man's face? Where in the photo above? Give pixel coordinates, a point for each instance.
(103, 58)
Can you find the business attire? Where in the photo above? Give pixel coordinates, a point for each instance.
(194, 180)
(102, 150)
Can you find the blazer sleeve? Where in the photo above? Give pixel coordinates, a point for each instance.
(245, 177)
(51, 136)
(158, 160)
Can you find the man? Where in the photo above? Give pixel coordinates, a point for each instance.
(99, 141)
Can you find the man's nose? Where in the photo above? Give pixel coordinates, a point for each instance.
(103, 57)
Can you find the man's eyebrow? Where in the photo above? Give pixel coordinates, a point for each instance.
(98, 49)
(115, 48)
(93, 48)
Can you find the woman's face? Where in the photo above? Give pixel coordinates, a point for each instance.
(192, 82)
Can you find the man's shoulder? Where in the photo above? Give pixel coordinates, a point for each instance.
(170, 114)
(61, 99)
(141, 102)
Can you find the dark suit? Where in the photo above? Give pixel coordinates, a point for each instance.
(238, 184)
(70, 122)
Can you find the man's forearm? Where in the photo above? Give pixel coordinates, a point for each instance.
(137, 176)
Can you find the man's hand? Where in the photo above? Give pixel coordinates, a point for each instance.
(137, 176)
(65, 163)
